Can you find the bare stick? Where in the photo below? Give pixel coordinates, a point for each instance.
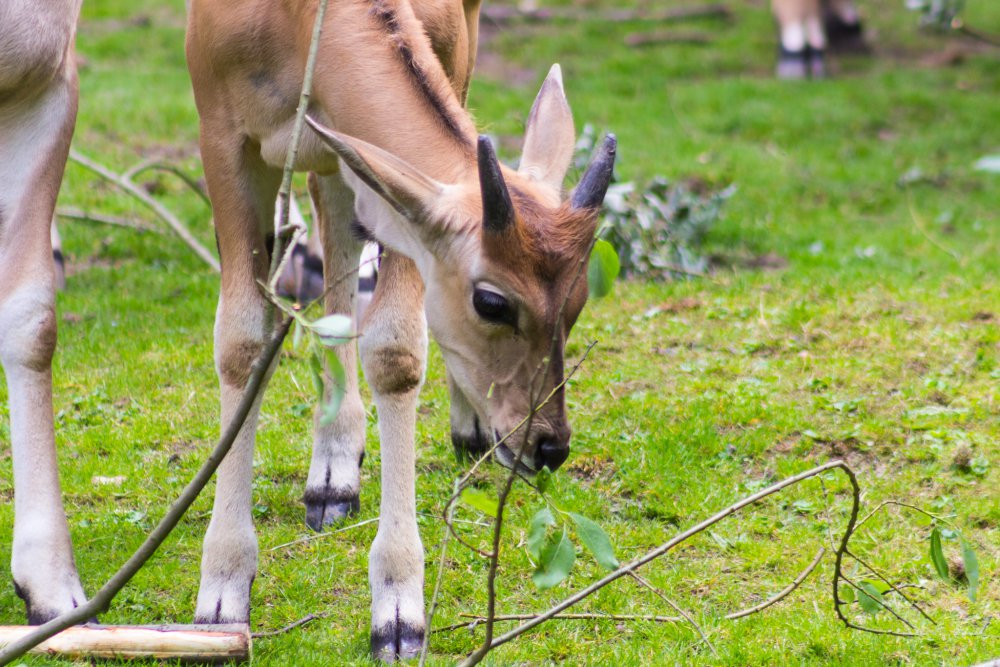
(784, 592)
(127, 185)
(892, 587)
(687, 617)
(504, 14)
(72, 213)
(285, 191)
(777, 597)
(449, 516)
(153, 165)
(673, 542)
(640, 39)
(308, 618)
(198, 643)
(102, 599)
(476, 620)
(319, 536)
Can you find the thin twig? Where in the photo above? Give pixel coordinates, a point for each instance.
(327, 533)
(437, 586)
(285, 191)
(983, 37)
(784, 592)
(153, 165)
(892, 587)
(777, 597)
(918, 222)
(673, 542)
(128, 186)
(308, 618)
(72, 213)
(676, 607)
(885, 606)
(102, 599)
(476, 620)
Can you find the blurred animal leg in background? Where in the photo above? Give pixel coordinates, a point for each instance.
(844, 32)
(801, 51)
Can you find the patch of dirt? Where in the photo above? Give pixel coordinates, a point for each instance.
(593, 469)
(983, 316)
(769, 261)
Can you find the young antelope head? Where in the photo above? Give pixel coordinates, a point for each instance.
(503, 259)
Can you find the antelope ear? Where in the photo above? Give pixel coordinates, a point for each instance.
(549, 138)
(400, 184)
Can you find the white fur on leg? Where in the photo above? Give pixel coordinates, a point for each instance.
(42, 555)
(396, 561)
(793, 37)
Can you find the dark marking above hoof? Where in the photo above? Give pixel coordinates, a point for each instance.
(325, 507)
(792, 65)
(396, 641)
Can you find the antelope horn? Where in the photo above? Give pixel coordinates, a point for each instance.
(498, 211)
(590, 191)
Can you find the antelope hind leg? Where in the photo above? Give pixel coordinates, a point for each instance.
(334, 484)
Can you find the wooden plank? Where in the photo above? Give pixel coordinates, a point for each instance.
(192, 643)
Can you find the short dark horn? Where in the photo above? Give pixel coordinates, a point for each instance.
(590, 191)
(498, 211)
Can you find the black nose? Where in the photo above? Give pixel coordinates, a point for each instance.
(551, 452)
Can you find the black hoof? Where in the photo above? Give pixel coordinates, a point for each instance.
(792, 65)
(817, 63)
(396, 641)
(37, 615)
(325, 507)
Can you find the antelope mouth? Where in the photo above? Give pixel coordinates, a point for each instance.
(506, 457)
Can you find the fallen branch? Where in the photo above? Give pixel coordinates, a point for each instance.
(126, 184)
(72, 213)
(640, 39)
(507, 14)
(308, 618)
(670, 544)
(777, 597)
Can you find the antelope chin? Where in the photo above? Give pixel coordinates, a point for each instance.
(507, 458)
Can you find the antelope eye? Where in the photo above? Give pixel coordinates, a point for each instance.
(493, 307)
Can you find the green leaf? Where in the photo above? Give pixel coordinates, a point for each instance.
(603, 268)
(316, 366)
(937, 555)
(480, 500)
(596, 541)
(869, 597)
(846, 594)
(536, 532)
(971, 569)
(333, 329)
(556, 561)
(543, 479)
(336, 391)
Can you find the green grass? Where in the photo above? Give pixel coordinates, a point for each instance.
(697, 392)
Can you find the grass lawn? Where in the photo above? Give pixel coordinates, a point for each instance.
(874, 336)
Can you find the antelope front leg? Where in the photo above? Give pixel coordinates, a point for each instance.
(394, 351)
(34, 140)
(334, 484)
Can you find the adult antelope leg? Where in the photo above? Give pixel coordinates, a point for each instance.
(36, 125)
(803, 41)
(334, 484)
(242, 189)
(394, 352)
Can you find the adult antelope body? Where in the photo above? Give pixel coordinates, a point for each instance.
(38, 98)
(483, 255)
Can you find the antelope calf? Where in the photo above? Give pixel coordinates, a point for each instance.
(807, 28)
(484, 256)
(38, 97)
